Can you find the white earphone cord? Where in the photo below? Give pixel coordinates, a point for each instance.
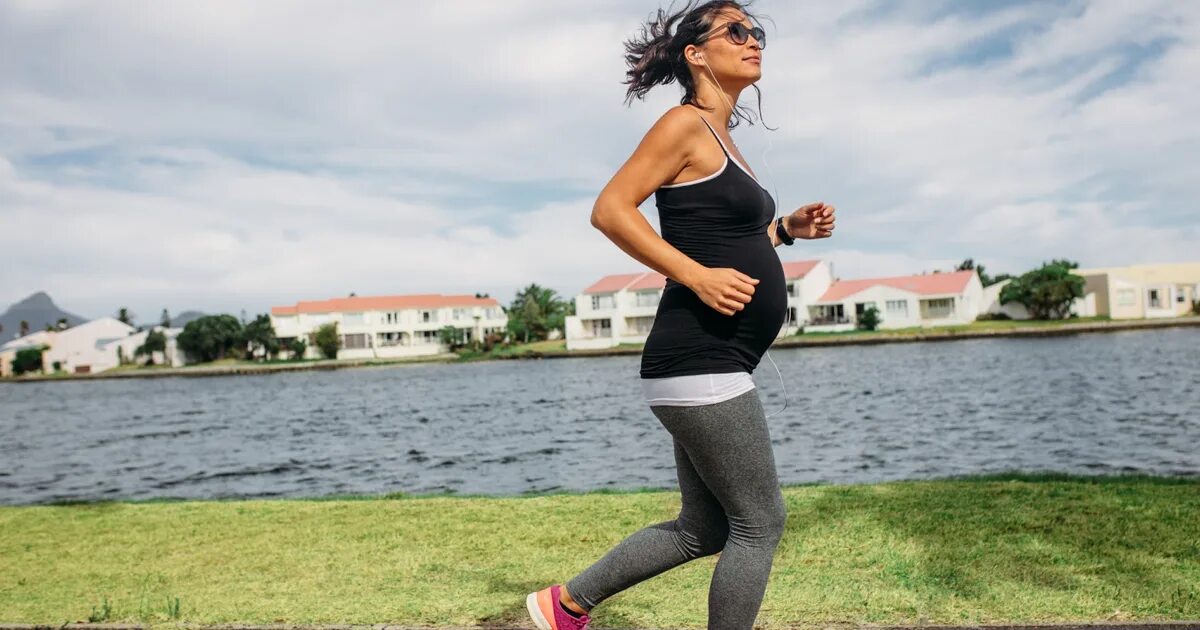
(787, 310)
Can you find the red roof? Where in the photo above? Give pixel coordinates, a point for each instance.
(382, 303)
(923, 284)
(798, 268)
(631, 281)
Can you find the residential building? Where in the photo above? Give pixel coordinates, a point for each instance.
(1139, 291)
(932, 299)
(807, 280)
(615, 309)
(8, 350)
(85, 349)
(992, 305)
(390, 325)
(620, 308)
(129, 346)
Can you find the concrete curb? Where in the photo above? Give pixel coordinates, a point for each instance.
(1090, 625)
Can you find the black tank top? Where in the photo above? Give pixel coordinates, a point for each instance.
(719, 221)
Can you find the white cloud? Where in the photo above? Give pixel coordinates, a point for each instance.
(181, 155)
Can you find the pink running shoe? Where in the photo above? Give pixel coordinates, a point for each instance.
(548, 614)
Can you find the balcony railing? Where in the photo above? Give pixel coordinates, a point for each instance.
(828, 321)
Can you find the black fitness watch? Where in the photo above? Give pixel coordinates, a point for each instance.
(781, 232)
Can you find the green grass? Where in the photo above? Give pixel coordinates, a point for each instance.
(988, 549)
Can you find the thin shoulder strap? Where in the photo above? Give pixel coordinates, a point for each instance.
(714, 133)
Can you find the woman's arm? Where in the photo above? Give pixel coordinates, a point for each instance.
(662, 154)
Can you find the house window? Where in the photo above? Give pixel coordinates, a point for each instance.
(939, 307)
(897, 308)
(355, 341)
(1124, 297)
(641, 325)
(791, 288)
(600, 302)
(647, 298)
(1179, 297)
(1155, 299)
(428, 316)
(601, 327)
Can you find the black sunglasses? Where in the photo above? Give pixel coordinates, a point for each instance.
(737, 34)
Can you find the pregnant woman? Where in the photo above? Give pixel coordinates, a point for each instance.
(724, 303)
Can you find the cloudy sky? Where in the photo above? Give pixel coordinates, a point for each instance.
(234, 155)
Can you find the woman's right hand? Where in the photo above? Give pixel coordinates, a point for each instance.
(725, 289)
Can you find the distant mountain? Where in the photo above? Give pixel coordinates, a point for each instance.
(182, 319)
(37, 309)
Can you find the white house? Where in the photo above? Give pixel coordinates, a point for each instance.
(615, 309)
(8, 351)
(620, 308)
(389, 325)
(991, 302)
(83, 349)
(807, 280)
(129, 345)
(1139, 291)
(932, 299)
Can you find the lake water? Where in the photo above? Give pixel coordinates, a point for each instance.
(1090, 403)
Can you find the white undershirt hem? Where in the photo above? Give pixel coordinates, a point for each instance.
(695, 389)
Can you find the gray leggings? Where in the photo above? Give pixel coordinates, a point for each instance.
(731, 504)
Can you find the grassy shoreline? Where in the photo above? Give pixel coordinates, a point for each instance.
(557, 348)
(1001, 548)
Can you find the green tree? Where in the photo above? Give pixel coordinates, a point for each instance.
(124, 316)
(535, 311)
(259, 333)
(326, 339)
(156, 341)
(24, 326)
(454, 338)
(28, 360)
(869, 319)
(1046, 292)
(62, 323)
(297, 347)
(210, 338)
(165, 319)
(984, 279)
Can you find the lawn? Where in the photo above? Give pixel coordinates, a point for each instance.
(988, 549)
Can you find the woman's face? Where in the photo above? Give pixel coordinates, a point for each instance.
(740, 63)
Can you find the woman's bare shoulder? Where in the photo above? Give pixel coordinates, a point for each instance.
(676, 126)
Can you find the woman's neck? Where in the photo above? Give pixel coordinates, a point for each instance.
(708, 96)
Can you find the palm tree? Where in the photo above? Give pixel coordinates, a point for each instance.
(24, 328)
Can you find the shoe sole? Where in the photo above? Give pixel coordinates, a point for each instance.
(535, 612)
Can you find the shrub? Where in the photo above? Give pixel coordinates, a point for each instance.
(327, 340)
(28, 360)
(869, 320)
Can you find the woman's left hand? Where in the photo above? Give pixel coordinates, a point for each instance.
(812, 221)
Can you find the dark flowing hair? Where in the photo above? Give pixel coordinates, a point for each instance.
(656, 55)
